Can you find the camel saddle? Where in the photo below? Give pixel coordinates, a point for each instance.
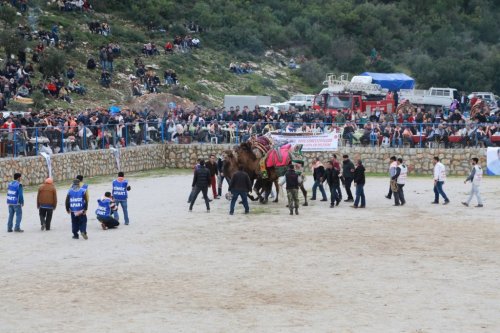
(280, 157)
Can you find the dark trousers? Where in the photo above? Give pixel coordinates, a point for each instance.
(79, 224)
(45, 217)
(213, 182)
(399, 196)
(360, 194)
(197, 191)
(244, 200)
(347, 184)
(108, 221)
(334, 193)
(389, 194)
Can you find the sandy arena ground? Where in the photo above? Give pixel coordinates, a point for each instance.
(418, 268)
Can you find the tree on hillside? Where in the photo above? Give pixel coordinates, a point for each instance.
(52, 63)
(8, 15)
(12, 44)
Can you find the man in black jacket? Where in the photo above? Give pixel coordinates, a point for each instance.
(348, 174)
(319, 178)
(333, 180)
(240, 185)
(359, 180)
(201, 182)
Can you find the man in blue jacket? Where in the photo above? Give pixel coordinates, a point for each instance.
(120, 195)
(15, 201)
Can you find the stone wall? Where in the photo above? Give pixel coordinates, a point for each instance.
(87, 163)
(376, 159)
(102, 162)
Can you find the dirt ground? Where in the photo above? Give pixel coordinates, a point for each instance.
(418, 268)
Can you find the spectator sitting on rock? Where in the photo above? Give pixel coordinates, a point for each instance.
(91, 64)
(70, 73)
(169, 47)
(23, 91)
(105, 79)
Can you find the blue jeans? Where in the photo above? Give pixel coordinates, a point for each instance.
(123, 203)
(360, 193)
(397, 142)
(317, 184)
(18, 210)
(244, 199)
(438, 189)
(78, 223)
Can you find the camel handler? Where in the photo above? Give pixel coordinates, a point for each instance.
(292, 189)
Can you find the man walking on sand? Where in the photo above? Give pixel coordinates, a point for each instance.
(475, 177)
(46, 202)
(393, 165)
(439, 179)
(120, 195)
(76, 205)
(239, 186)
(400, 179)
(15, 201)
(201, 182)
(348, 174)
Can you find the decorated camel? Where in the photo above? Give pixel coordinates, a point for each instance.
(264, 163)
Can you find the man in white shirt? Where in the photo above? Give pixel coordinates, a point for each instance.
(475, 177)
(439, 179)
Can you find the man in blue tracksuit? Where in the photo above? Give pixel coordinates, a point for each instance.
(120, 195)
(15, 201)
(104, 211)
(76, 205)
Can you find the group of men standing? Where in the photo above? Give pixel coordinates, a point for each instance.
(335, 174)
(76, 204)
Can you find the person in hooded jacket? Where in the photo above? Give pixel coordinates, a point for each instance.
(46, 202)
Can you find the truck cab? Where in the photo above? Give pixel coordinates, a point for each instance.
(336, 102)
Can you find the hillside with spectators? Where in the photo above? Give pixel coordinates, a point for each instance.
(80, 53)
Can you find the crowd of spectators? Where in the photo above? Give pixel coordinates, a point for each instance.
(241, 68)
(66, 130)
(72, 5)
(146, 80)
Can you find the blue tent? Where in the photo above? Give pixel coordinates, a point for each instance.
(391, 81)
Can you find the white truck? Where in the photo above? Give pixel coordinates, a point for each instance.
(301, 101)
(437, 97)
(245, 100)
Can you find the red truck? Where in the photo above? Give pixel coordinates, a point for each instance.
(353, 95)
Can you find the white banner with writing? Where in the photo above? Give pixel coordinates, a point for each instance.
(311, 142)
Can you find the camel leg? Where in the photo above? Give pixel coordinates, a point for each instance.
(304, 192)
(277, 186)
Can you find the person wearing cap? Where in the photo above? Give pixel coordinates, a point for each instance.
(120, 195)
(105, 210)
(46, 202)
(84, 186)
(15, 201)
(76, 205)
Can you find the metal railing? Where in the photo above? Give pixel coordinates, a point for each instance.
(16, 142)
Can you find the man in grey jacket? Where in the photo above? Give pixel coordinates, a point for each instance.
(475, 177)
